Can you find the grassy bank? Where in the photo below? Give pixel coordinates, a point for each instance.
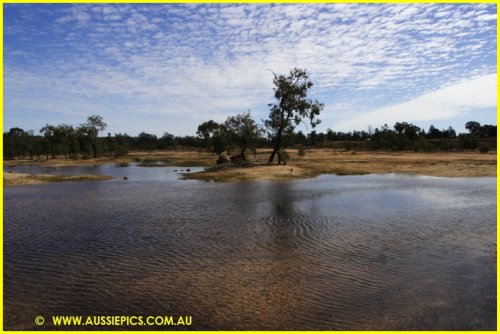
(236, 173)
(454, 164)
(324, 161)
(314, 162)
(187, 158)
(18, 179)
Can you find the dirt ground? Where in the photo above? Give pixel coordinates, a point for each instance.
(314, 162)
(19, 179)
(319, 161)
(455, 164)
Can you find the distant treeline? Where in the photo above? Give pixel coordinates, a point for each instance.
(84, 141)
(406, 137)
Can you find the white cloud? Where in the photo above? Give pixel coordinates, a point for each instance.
(487, 17)
(444, 103)
(212, 59)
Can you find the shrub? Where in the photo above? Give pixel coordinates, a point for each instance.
(284, 157)
(301, 151)
(467, 142)
(484, 149)
(120, 151)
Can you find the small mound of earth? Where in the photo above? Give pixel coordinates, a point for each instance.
(234, 164)
(250, 171)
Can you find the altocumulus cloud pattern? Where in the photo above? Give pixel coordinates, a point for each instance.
(170, 67)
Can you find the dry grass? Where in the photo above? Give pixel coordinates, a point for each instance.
(327, 161)
(315, 162)
(185, 158)
(188, 158)
(18, 179)
(455, 164)
(252, 173)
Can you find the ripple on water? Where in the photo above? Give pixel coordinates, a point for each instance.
(373, 252)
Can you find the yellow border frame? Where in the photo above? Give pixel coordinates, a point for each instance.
(234, 2)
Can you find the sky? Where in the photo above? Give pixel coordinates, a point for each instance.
(169, 67)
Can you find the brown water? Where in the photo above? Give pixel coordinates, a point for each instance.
(334, 252)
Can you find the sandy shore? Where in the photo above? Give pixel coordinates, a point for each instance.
(19, 179)
(315, 162)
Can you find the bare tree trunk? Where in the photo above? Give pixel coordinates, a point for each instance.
(95, 147)
(275, 150)
(243, 154)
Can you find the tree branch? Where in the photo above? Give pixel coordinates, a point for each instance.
(275, 76)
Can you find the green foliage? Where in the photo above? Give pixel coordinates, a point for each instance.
(119, 151)
(301, 151)
(146, 141)
(243, 131)
(238, 131)
(219, 143)
(484, 148)
(210, 132)
(473, 127)
(291, 107)
(468, 142)
(167, 140)
(481, 131)
(407, 130)
(422, 145)
(409, 137)
(90, 131)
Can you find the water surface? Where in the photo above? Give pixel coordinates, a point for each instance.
(334, 252)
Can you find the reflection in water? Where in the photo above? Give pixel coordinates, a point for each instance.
(360, 252)
(283, 219)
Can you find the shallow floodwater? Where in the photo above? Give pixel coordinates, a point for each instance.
(334, 252)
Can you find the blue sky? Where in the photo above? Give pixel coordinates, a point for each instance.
(167, 68)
